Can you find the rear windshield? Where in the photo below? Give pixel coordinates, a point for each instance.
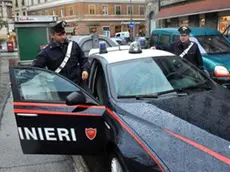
(214, 44)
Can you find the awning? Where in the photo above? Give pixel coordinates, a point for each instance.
(200, 7)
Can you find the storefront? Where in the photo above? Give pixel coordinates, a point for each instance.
(205, 13)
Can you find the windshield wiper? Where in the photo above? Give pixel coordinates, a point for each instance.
(154, 95)
(137, 96)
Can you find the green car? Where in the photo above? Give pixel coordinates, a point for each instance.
(214, 47)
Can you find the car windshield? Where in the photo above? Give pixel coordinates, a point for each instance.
(214, 44)
(153, 75)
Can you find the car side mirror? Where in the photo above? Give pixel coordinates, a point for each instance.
(75, 98)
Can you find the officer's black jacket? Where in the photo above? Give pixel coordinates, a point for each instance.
(193, 55)
(53, 55)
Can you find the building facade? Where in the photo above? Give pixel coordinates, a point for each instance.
(90, 16)
(194, 13)
(6, 19)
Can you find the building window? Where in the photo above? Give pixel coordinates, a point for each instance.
(24, 13)
(54, 12)
(105, 10)
(92, 9)
(70, 11)
(118, 10)
(141, 10)
(62, 12)
(130, 9)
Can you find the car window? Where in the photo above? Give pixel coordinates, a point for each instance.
(152, 75)
(154, 40)
(176, 37)
(164, 40)
(214, 44)
(41, 85)
(107, 44)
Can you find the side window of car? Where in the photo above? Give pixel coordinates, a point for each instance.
(164, 40)
(42, 85)
(87, 46)
(101, 87)
(175, 37)
(107, 44)
(153, 40)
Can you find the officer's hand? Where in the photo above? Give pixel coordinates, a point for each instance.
(153, 48)
(85, 75)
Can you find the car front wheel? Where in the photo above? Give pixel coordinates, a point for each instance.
(115, 165)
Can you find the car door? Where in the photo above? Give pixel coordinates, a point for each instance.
(45, 124)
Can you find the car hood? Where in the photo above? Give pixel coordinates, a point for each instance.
(223, 59)
(188, 133)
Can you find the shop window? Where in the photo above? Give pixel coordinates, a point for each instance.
(106, 31)
(184, 22)
(92, 9)
(224, 21)
(202, 22)
(164, 39)
(117, 29)
(92, 29)
(225, 18)
(117, 10)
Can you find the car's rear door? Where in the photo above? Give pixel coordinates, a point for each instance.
(45, 124)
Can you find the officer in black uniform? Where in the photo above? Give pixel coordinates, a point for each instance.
(179, 46)
(76, 69)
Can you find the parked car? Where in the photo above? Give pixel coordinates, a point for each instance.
(214, 47)
(148, 111)
(87, 42)
(120, 41)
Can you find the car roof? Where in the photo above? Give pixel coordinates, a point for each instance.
(115, 55)
(196, 31)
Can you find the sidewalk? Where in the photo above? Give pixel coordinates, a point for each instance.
(4, 84)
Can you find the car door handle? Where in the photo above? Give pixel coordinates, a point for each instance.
(27, 114)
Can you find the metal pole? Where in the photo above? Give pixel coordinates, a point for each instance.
(131, 20)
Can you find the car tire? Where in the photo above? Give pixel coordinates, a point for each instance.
(115, 164)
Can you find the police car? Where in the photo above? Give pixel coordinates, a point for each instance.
(148, 110)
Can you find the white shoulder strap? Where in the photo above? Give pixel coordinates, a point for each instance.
(186, 50)
(67, 56)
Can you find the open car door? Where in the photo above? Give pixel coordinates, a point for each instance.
(45, 124)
